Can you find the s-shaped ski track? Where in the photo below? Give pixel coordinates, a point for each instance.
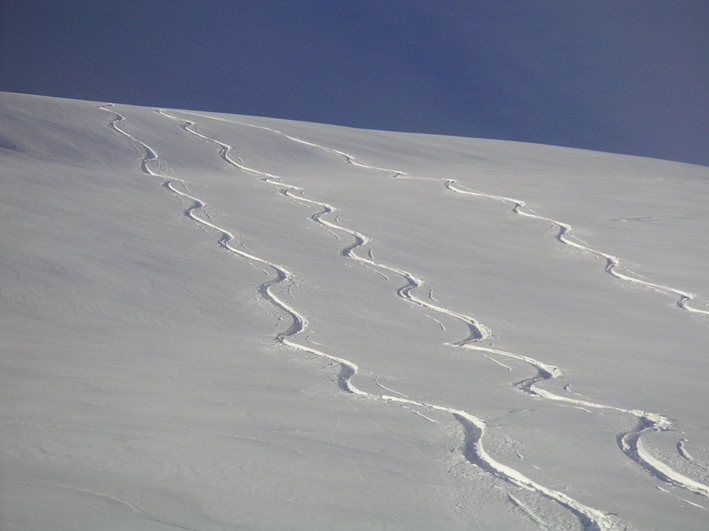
(474, 427)
(628, 442)
(477, 331)
(564, 236)
(612, 262)
(282, 274)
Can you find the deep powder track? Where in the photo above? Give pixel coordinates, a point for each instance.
(612, 262)
(629, 442)
(474, 427)
(282, 274)
(477, 331)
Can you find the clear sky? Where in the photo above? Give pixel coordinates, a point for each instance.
(627, 76)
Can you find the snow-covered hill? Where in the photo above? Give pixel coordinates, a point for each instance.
(213, 321)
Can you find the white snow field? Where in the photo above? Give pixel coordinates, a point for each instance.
(212, 321)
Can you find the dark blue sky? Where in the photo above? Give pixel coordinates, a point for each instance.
(627, 76)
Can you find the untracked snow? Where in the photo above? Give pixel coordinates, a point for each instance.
(213, 321)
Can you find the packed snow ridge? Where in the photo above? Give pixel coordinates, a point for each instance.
(522, 304)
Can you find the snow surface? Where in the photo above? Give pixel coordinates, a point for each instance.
(213, 321)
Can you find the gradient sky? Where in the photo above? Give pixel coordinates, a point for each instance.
(627, 76)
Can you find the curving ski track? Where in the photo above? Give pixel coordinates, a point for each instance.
(590, 518)
(628, 442)
(474, 427)
(612, 262)
(282, 274)
(477, 331)
(350, 159)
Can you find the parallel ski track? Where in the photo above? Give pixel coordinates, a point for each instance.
(477, 331)
(612, 262)
(282, 274)
(474, 427)
(628, 442)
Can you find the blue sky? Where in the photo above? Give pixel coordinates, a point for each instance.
(627, 76)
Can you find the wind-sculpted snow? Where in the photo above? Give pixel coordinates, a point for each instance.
(473, 426)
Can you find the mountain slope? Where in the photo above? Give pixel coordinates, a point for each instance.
(216, 321)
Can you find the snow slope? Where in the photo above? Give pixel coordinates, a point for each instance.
(226, 322)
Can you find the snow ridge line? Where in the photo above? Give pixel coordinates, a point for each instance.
(612, 262)
(474, 427)
(628, 442)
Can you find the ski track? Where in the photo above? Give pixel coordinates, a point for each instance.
(282, 274)
(477, 331)
(628, 442)
(527, 511)
(612, 262)
(350, 159)
(683, 451)
(474, 427)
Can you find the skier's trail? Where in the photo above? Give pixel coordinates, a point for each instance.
(612, 262)
(628, 442)
(351, 159)
(474, 427)
(477, 331)
(299, 323)
(683, 451)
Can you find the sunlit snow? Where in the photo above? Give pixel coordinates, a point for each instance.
(213, 321)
